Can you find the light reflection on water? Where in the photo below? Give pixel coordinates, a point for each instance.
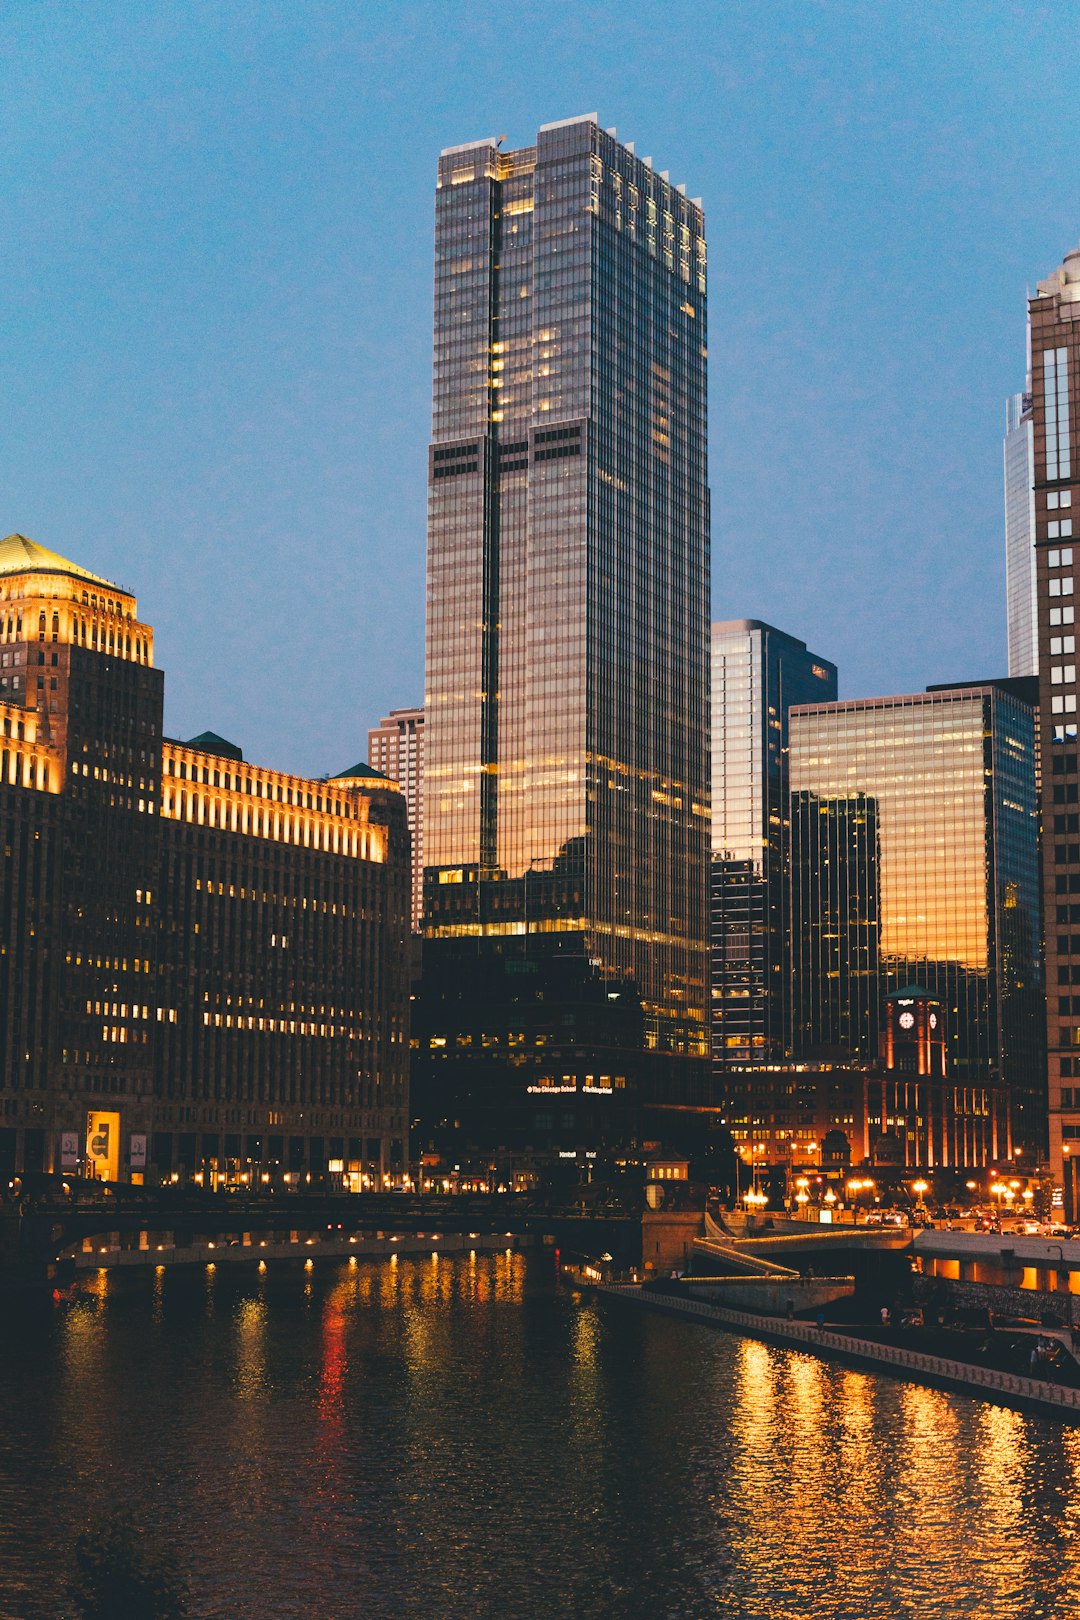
(453, 1437)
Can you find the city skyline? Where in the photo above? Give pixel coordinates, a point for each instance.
(303, 378)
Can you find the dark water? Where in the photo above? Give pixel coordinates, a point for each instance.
(453, 1438)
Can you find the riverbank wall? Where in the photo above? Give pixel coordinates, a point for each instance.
(981, 1383)
(297, 1246)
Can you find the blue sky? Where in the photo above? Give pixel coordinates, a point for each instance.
(215, 235)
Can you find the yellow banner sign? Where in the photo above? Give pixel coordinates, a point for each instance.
(103, 1145)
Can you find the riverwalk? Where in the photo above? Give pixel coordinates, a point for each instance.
(982, 1383)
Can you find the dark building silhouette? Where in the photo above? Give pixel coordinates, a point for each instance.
(834, 986)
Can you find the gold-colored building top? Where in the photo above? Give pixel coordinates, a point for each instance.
(72, 606)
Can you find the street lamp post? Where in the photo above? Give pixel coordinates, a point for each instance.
(920, 1189)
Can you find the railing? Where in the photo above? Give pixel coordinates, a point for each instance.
(729, 1250)
(823, 1340)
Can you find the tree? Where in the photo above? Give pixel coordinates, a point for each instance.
(121, 1573)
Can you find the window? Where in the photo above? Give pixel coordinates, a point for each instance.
(1064, 733)
(1062, 674)
(1062, 644)
(1063, 704)
(1061, 615)
(1055, 382)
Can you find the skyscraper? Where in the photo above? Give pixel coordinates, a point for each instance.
(1054, 325)
(1020, 536)
(396, 747)
(566, 816)
(915, 861)
(758, 672)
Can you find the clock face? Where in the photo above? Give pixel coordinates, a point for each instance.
(933, 1020)
(907, 1020)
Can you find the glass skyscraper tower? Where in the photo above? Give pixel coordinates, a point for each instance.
(567, 809)
(758, 673)
(915, 861)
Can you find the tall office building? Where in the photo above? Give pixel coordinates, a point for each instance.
(1054, 326)
(396, 748)
(566, 815)
(758, 672)
(915, 862)
(1020, 536)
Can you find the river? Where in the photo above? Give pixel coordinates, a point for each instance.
(459, 1438)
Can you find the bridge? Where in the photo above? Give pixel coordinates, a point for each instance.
(40, 1231)
(780, 1252)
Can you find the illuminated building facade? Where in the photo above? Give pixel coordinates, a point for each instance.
(915, 860)
(1054, 347)
(396, 748)
(202, 967)
(795, 1116)
(758, 673)
(566, 714)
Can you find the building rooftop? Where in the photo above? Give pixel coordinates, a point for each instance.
(208, 742)
(18, 555)
(361, 770)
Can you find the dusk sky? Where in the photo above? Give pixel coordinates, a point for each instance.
(216, 245)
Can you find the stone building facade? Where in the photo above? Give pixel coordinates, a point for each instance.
(203, 963)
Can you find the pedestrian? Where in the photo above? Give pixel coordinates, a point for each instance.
(820, 1320)
(884, 1316)
(791, 1310)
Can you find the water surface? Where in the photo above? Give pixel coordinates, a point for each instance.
(457, 1438)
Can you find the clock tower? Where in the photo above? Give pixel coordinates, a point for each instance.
(914, 1036)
